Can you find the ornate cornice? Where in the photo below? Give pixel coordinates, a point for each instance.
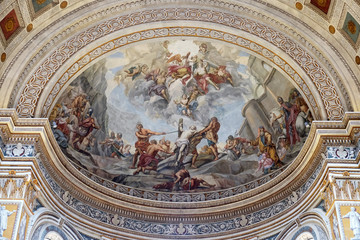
(238, 221)
(81, 198)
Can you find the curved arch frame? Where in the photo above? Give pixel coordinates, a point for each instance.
(307, 219)
(43, 218)
(34, 88)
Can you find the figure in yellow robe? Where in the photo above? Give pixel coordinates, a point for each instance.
(265, 144)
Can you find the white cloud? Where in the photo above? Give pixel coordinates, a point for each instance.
(242, 60)
(183, 47)
(116, 62)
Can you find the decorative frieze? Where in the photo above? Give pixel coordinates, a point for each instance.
(341, 152)
(180, 229)
(17, 150)
(15, 185)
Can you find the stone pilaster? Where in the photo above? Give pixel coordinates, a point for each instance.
(342, 202)
(17, 198)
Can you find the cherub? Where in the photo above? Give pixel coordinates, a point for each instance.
(185, 107)
(265, 163)
(224, 76)
(194, 94)
(135, 71)
(165, 46)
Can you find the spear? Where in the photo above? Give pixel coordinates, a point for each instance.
(171, 132)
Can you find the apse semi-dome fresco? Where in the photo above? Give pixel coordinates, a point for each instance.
(181, 116)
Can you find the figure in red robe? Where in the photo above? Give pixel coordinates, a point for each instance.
(290, 112)
(148, 160)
